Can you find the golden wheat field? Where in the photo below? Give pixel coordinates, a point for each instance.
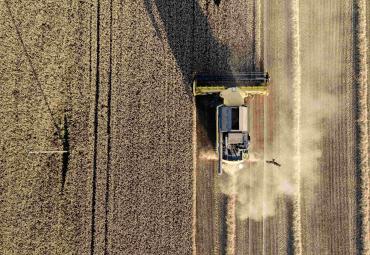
(105, 150)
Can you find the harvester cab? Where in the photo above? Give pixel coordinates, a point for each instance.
(232, 117)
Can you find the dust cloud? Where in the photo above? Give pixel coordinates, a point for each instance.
(208, 155)
(297, 146)
(257, 185)
(255, 189)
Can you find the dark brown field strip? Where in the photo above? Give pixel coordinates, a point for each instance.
(361, 127)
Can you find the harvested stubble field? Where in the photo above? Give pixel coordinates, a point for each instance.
(109, 82)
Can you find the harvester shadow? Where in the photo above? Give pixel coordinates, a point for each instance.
(194, 47)
(206, 115)
(195, 50)
(65, 160)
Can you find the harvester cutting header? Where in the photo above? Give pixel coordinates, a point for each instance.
(232, 117)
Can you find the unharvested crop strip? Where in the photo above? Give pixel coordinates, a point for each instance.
(362, 160)
(109, 154)
(296, 82)
(261, 6)
(231, 225)
(257, 35)
(96, 118)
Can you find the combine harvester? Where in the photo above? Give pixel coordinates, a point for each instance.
(232, 117)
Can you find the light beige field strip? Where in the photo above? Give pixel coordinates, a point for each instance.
(46, 152)
(231, 225)
(296, 76)
(362, 121)
(194, 202)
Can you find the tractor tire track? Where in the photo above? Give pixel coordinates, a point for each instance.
(96, 124)
(109, 145)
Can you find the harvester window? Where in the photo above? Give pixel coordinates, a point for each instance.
(235, 118)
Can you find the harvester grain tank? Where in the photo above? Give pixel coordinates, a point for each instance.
(232, 117)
